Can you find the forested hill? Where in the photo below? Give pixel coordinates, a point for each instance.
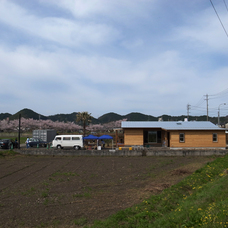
(108, 117)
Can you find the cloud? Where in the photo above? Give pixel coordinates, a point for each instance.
(92, 8)
(203, 32)
(60, 30)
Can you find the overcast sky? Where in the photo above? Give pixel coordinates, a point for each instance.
(122, 56)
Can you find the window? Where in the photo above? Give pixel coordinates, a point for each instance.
(152, 136)
(181, 137)
(75, 138)
(58, 138)
(215, 137)
(66, 138)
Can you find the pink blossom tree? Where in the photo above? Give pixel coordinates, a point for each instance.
(31, 124)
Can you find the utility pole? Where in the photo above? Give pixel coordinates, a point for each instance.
(207, 104)
(19, 132)
(39, 121)
(219, 113)
(188, 108)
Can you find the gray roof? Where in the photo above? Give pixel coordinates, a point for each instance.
(172, 125)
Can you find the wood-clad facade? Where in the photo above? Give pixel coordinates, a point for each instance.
(133, 137)
(198, 139)
(175, 137)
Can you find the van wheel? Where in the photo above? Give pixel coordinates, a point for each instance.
(76, 147)
(59, 147)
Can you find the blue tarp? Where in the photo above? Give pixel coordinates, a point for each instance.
(92, 137)
(105, 137)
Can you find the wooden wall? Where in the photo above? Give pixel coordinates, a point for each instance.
(198, 139)
(133, 137)
(193, 139)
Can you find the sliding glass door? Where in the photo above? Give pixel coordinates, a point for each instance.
(152, 137)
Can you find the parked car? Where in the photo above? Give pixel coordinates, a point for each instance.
(8, 143)
(5, 143)
(33, 142)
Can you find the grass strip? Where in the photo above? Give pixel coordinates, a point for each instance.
(200, 200)
(6, 153)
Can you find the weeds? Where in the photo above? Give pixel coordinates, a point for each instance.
(7, 153)
(164, 163)
(44, 194)
(29, 192)
(86, 193)
(42, 225)
(80, 221)
(64, 174)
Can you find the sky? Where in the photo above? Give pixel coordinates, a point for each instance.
(150, 56)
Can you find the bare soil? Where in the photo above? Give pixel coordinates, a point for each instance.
(70, 191)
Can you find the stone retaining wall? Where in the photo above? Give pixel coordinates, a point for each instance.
(127, 152)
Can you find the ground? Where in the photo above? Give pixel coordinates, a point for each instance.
(71, 191)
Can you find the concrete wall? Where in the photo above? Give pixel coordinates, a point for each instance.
(125, 152)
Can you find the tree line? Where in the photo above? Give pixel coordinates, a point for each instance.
(83, 124)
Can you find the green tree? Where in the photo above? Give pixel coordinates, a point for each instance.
(84, 118)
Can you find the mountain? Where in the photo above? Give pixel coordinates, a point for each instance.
(63, 117)
(136, 116)
(27, 114)
(108, 117)
(68, 118)
(4, 116)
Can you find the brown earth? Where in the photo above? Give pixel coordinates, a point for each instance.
(70, 191)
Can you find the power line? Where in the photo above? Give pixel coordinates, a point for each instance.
(225, 5)
(196, 107)
(224, 92)
(219, 19)
(207, 98)
(201, 101)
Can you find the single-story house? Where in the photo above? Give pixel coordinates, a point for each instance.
(174, 134)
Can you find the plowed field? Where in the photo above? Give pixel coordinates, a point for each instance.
(64, 191)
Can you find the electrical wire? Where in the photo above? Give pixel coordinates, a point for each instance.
(224, 92)
(200, 102)
(225, 5)
(198, 107)
(219, 18)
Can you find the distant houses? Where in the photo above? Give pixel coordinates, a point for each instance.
(174, 134)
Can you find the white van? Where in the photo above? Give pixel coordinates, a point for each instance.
(66, 141)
